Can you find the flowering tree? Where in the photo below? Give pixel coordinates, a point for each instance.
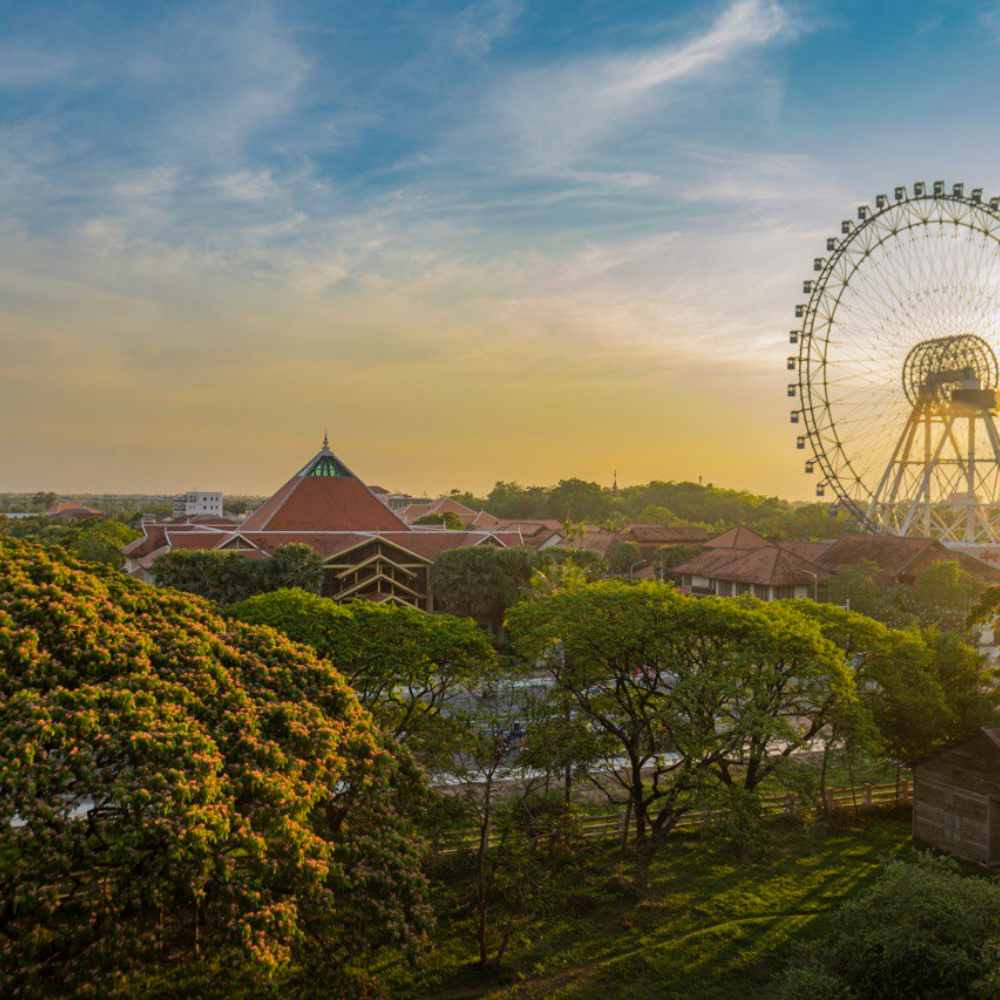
(177, 790)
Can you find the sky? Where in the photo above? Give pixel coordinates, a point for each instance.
(498, 239)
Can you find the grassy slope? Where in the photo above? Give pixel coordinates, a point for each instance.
(712, 927)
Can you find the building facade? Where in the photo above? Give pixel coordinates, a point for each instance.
(198, 502)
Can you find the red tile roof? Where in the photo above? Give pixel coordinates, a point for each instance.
(899, 558)
(768, 565)
(309, 502)
(593, 540)
(737, 538)
(657, 534)
(340, 503)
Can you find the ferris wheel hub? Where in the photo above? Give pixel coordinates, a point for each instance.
(947, 370)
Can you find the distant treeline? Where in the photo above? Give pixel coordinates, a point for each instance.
(666, 503)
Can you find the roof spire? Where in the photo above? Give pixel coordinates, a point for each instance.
(326, 440)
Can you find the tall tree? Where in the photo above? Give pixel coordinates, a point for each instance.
(404, 664)
(681, 689)
(481, 582)
(180, 794)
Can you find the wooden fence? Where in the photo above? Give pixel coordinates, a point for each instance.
(611, 826)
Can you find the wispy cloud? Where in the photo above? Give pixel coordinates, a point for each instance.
(482, 24)
(556, 116)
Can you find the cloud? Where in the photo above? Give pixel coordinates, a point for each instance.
(481, 25)
(557, 116)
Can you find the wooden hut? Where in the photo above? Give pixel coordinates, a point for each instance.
(956, 799)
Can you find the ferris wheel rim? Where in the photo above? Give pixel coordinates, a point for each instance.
(813, 395)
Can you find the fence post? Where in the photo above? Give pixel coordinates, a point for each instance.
(868, 794)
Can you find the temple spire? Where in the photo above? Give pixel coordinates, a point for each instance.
(326, 440)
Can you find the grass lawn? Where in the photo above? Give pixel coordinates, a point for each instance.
(711, 928)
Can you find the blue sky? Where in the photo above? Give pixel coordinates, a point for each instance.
(498, 239)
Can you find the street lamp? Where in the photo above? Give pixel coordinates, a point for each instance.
(815, 583)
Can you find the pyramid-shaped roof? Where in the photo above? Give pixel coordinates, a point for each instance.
(324, 495)
(738, 538)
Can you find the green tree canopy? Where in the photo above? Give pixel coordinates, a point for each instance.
(449, 519)
(682, 689)
(228, 577)
(482, 581)
(403, 663)
(99, 539)
(622, 557)
(182, 792)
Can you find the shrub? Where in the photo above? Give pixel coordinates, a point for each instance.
(922, 930)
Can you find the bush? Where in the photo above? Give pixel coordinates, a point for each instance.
(922, 930)
(179, 791)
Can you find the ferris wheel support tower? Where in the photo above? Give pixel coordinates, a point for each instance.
(952, 383)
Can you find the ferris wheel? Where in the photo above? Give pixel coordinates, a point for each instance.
(896, 377)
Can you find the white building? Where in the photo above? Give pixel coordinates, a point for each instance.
(198, 502)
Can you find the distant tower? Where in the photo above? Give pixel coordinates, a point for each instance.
(614, 484)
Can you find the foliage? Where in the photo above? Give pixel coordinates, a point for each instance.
(668, 556)
(919, 687)
(622, 556)
(449, 519)
(403, 663)
(589, 562)
(481, 582)
(653, 671)
(943, 595)
(667, 503)
(922, 930)
(177, 790)
(98, 540)
(228, 577)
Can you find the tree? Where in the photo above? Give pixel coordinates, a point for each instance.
(862, 588)
(622, 557)
(509, 499)
(578, 500)
(685, 690)
(96, 540)
(668, 556)
(223, 577)
(295, 565)
(179, 793)
(523, 840)
(449, 519)
(228, 577)
(919, 688)
(482, 581)
(922, 930)
(587, 560)
(404, 664)
(102, 540)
